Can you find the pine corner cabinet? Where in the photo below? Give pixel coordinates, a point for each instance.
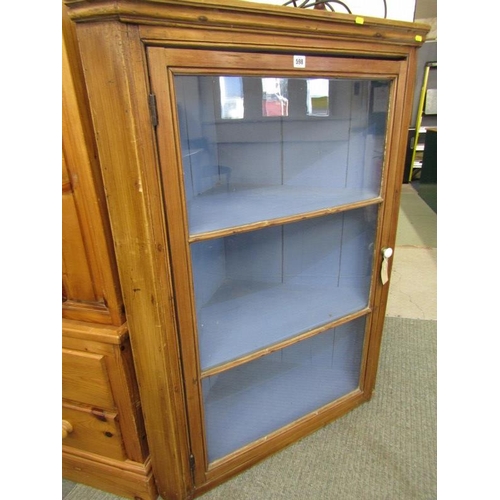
(251, 159)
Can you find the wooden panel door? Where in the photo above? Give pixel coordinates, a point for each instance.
(91, 290)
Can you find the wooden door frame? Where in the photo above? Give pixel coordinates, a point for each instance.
(164, 65)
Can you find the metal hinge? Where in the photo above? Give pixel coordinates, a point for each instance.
(191, 464)
(152, 109)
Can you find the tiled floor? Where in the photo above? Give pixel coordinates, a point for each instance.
(413, 286)
(412, 292)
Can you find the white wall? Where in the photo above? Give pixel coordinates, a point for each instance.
(401, 10)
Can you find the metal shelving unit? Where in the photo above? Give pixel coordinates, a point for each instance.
(420, 126)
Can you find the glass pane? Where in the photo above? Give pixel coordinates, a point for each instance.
(240, 171)
(255, 399)
(255, 289)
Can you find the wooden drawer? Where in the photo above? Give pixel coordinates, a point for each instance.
(93, 430)
(85, 379)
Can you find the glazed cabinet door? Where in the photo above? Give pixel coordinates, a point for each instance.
(275, 169)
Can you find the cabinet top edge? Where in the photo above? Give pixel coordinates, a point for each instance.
(246, 14)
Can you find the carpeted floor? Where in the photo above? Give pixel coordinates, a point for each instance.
(384, 449)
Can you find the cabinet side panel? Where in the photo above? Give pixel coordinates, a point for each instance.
(113, 62)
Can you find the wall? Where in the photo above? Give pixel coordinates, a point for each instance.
(426, 9)
(402, 10)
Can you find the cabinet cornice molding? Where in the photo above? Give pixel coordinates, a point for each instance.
(236, 15)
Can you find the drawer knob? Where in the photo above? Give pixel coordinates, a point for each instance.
(67, 428)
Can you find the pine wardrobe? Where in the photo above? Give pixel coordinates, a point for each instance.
(252, 159)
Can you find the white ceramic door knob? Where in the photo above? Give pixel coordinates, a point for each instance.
(384, 271)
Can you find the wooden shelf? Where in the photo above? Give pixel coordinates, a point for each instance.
(261, 316)
(223, 212)
(251, 288)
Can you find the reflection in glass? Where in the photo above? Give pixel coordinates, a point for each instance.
(317, 97)
(274, 97)
(231, 97)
